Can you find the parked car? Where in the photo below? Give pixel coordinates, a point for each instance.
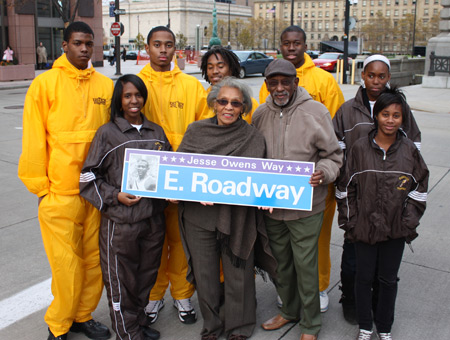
(328, 61)
(313, 54)
(252, 62)
(132, 55)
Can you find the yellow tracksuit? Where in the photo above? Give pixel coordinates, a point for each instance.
(322, 87)
(63, 109)
(175, 100)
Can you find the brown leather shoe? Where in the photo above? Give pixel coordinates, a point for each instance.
(275, 323)
(308, 337)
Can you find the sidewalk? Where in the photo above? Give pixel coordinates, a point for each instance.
(422, 310)
(110, 71)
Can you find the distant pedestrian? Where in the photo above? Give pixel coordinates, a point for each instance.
(382, 197)
(42, 56)
(112, 55)
(8, 54)
(124, 54)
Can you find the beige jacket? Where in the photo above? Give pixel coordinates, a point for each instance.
(301, 131)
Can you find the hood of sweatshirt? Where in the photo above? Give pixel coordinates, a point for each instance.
(166, 77)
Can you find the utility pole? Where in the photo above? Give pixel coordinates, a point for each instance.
(414, 29)
(117, 40)
(168, 13)
(229, 24)
(346, 29)
(292, 12)
(275, 10)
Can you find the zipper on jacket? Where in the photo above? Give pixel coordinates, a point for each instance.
(280, 155)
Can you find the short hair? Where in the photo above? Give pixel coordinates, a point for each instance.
(77, 26)
(116, 101)
(228, 56)
(159, 29)
(294, 28)
(391, 95)
(236, 84)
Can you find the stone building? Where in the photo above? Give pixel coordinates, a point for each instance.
(186, 16)
(323, 20)
(25, 23)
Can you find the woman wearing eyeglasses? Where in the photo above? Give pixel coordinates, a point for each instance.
(211, 233)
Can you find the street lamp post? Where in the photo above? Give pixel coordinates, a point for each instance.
(414, 29)
(168, 13)
(274, 11)
(292, 12)
(229, 24)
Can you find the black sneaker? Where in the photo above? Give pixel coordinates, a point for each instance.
(150, 333)
(92, 329)
(186, 312)
(52, 337)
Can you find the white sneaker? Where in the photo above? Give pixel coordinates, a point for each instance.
(324, 300)
(279, 302)
(186, 312)
(384, 336)
(364, 335)
(153, 308)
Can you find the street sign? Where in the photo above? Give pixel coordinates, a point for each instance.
(116, 29)
(119, 12)
(112, 7)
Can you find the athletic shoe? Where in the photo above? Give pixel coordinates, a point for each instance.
(186, 312)
(153, 308)
(324, 301)
(364, 335)
(92, 329)
(384, 336)
(52, 337)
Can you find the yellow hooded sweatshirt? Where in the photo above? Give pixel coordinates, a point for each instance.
(175, 100)
(320, 84)
(64, 107)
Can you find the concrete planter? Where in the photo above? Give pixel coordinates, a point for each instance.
(181, 62)
(16, 72)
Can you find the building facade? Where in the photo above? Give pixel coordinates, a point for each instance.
(25, 23)
(380, 25)
(186, 16)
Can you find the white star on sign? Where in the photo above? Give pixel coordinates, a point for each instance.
(289, 168)
(298, 169)
(173, 158)
(165, 158)
(182, 160)
(307, 169)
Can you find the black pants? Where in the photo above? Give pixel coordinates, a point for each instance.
(130, 255)
(382, 259)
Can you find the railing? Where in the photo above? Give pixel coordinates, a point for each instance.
(439, 64)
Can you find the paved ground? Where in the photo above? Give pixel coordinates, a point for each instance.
(423, 302)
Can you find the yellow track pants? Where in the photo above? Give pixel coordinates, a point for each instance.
(173, 266)
(69, 227)
(325, 238)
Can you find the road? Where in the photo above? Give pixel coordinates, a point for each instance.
(423, 301)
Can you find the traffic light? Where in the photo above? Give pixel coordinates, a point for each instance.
(205, 31)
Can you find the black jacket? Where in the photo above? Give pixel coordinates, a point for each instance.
(382, 195)
(101, 176)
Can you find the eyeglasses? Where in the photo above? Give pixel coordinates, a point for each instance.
(284, 82)
(224, 102)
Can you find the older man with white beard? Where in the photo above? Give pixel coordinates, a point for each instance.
(296, 127)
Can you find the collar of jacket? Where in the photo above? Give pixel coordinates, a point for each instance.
(125, 126)
(393, 147)
(299, 97)
(361, 102)
(74, 73)
(166, 77)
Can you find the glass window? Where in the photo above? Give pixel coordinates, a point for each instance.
(285, 5)
(320, 14)
(425, 12)
(327, 4)
(388, 13)
(306, 14)
(396, 13)
(363, 13)
(336, 13)
(312, 35)
(299, 5)
(405, 2)
(313, 14)
(388, 2)
(319, 36)
(44, 8)
(306, 4)
(327, 14)
(260, 6)
(364, 3)
(427, 2)
(313, 4)
(319, 25)
(305, 25)
(327, 25)
(320, 4)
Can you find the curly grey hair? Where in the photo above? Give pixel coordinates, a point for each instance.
(234, 83)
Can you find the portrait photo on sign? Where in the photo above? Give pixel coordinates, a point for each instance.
(143, 172)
